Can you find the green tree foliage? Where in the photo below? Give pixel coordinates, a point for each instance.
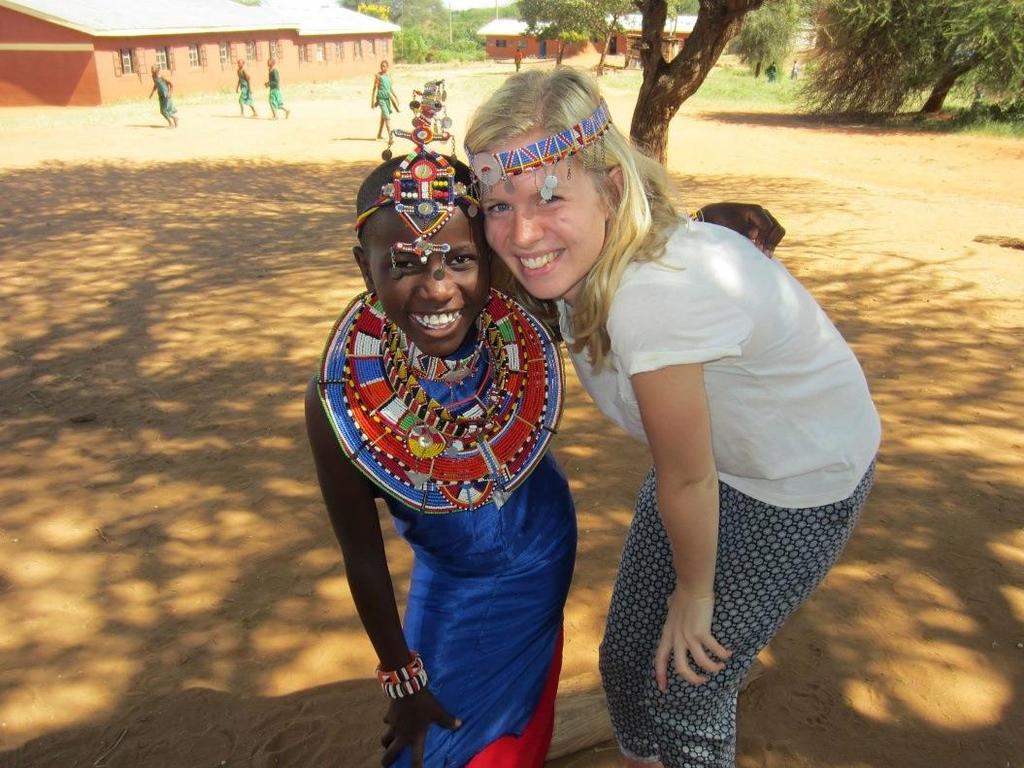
(682, 7)
(881, 56)
(410, 47)
(430, 32)
(768, 34)
(568, 21)
(574, 21)
(379, 10)
(609, 22)
(429, 17)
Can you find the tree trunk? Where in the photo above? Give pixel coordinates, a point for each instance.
(757, 70)
(666, 85)
(604, 53)
(612, 28)
(943, 86)
(561, 53)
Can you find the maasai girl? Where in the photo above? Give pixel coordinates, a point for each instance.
(164, 88)
(244, 90)
(274, 84)
(441, 395)
(758, 416)
(384, 97)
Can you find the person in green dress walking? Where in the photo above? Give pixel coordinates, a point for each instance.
(244, 90)
(383, 96)
(163, 88)
(274, 84)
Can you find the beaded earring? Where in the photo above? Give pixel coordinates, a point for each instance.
(547, 191)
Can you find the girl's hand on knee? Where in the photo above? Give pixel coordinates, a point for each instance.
(687, 635)
(408, 720)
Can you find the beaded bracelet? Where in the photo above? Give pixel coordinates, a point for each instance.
(404, 681)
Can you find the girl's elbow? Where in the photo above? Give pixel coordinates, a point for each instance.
(687, 482)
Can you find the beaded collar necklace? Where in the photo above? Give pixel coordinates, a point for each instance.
(433, 456)
(400, 375)
(439, 369)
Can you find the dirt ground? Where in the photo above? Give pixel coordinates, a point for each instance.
(171, 594)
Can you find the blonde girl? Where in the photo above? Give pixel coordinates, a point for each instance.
(757, 414)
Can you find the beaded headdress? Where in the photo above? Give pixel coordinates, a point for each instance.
(490, 168)
(423, 189)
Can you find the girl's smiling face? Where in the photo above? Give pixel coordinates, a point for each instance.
(436, 315)
(549, 245)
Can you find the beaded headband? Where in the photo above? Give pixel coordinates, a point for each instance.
(423, 190)
(490, 168)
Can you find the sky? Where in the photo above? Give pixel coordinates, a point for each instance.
(461, 5)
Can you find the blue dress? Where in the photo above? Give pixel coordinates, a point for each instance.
(485, 602)
(488, 584)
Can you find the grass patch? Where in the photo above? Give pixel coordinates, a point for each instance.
(733, 86)
(986, 120)
(738, 86)
(727, 83)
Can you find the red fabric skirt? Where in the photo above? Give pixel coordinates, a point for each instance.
(530, 748)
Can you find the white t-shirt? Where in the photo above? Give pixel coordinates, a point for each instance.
(792, 421)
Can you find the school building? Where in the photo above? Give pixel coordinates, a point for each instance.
(503, 36)
(627, 42)
(88, 52)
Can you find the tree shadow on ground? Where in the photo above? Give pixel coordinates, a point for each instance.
(866, 125)
(162, 525)
(164, 552)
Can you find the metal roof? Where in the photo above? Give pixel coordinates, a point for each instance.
(629, 23)
(634, 22)
(318, 17)
(133, 18)
(503, 27)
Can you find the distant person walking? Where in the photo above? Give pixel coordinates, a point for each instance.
(772, 72)
(274, 84)
(163, 88)
(518, 58)
(383, 96)
(244, 90)
(794, 73)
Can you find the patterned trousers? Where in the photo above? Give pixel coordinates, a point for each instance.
(770, 559)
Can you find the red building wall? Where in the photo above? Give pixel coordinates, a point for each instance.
(504, 47)
(20, 28)
(41, 63)
(301, 60)
(37, 67)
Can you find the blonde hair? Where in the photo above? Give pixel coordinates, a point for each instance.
(641, 215)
